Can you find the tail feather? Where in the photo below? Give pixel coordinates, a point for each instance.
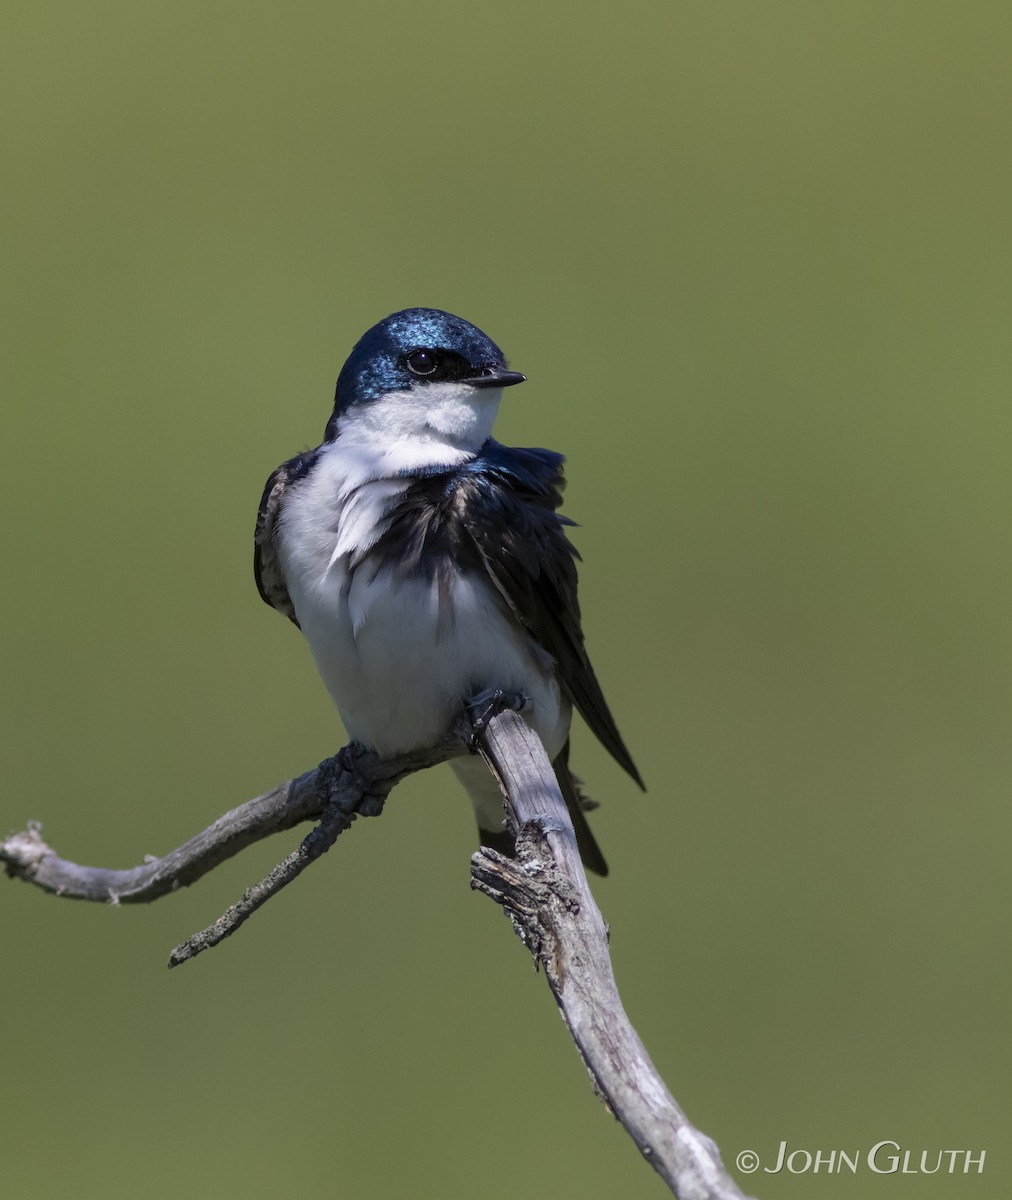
(483, 788)
(578, 804)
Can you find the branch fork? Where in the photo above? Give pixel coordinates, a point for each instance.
(543, 891)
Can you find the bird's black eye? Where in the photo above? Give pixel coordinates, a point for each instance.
(423, 362)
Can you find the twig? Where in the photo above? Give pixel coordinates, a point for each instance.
(546, 895)
(335, 820)
(26, 856)
(354, 783)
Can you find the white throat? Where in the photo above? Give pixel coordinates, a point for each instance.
(341, 509)
(403, 432)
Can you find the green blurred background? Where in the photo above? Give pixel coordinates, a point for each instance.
(755, 260)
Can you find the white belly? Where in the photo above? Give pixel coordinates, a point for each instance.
(399, 654)
(399, 662)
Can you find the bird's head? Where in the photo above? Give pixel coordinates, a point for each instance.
(422, 374)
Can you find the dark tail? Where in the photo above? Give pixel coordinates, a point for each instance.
(499, 839)
(577, 803)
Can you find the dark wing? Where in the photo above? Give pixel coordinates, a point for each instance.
(577, 803)
(266, 563)
(522, 544)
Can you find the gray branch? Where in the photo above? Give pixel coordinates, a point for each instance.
(357, 782)
(544, 891)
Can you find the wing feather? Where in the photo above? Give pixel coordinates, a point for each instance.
(531, 562)
(267, 567)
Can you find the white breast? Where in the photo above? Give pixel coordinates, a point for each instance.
(398, 655)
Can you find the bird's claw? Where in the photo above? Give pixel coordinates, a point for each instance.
(370, 800)
(483, 707)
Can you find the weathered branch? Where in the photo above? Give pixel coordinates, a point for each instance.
(26, 855)
(353, 783)
(544, 891)
(546, 895)
(358, 782)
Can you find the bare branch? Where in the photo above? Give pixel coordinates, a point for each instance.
(336, 818)
(27, 857)
(546, 895)
(356, 783)
(544, 891)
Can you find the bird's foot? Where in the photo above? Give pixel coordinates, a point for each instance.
(370, 796)
(489, 703)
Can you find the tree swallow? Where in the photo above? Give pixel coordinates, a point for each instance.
(427, 564)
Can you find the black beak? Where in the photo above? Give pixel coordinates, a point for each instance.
(496, 377)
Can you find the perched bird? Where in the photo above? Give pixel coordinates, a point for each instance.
(426, 564)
